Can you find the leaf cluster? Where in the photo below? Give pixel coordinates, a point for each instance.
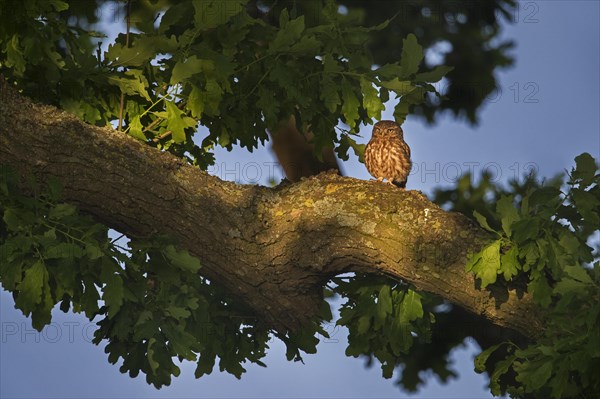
(390, 323)
(543, 234)
(146, 297)
(212, 64)
(452, 32)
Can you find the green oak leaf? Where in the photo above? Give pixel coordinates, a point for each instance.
(350, 106)
(486, 264)
(288, 34)
(534, 374)
(541, 291)
(399, 87)
(509, 263)
(135, 128)
(154, 364)
(384, 302)
(483, 221)
(182, 259)
(585, 169)
(64, 250)
(507, 212)
(177, 122)
(31, 289)
(211, 13)
(113, 293)
(526, 229)
(59, 5)
(568, 286)
(330, 91)
(196, 102)
(137, 55)
(11, 271)
(190, 66)
(434, 75)
(61, 210)
(132, 83)
(501, 368)
(543, 196)
(206, 363)
(579, 274)
(481, 359)
(371, 101)
(15, 58)
(412, 55)
(347, 142)
(307, 45)
(411, 308)
(415, 96)
(364, 324)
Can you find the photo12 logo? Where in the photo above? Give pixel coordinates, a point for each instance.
(247, 172)
(451, 172)
(65, 332)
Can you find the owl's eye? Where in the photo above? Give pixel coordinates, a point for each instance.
(390, 130)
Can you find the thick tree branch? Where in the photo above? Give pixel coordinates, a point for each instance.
(273, 248)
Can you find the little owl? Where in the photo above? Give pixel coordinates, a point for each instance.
(387, 156)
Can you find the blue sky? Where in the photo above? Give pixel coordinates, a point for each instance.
(553, 117)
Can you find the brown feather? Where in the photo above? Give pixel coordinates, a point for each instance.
(387, 156)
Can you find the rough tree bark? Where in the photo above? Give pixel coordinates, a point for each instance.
(272, 247)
